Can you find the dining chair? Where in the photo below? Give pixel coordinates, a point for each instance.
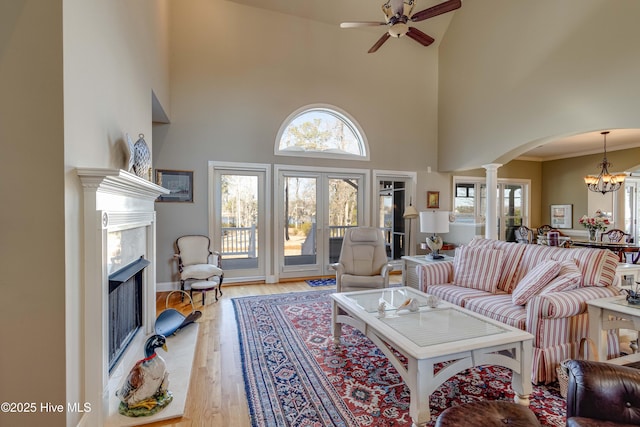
(524, 235)
(615, 235)
(544, 229)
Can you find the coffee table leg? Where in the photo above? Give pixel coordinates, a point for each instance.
(420, 376)
(336, 327)
(521, 381)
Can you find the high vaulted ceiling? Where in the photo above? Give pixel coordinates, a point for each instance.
(333, 12)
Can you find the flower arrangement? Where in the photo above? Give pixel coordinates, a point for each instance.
(593, 223)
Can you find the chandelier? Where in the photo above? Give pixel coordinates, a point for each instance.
(605, 182)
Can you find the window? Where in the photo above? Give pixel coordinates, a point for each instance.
(321, 131)
(470, 203)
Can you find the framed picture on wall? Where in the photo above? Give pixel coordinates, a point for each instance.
(561, 216)
(433, 199)
(179, 183)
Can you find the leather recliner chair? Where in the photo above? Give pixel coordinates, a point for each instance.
(602, 394)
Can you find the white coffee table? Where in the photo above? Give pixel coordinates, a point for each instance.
(434, 335)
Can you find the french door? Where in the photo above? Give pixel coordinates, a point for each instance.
(632, 208)
(314, 207)
(238, 213)
(470, 203)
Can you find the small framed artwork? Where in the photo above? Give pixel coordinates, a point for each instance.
(179, 183)
(433, 199)
(561, 216)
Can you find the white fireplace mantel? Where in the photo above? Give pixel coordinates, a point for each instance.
(114, 200)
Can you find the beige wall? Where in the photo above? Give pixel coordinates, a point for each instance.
(32, 360)
(515, 73)
(70, 92)
(237, 72)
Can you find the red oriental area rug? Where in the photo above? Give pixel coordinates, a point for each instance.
(294, 376)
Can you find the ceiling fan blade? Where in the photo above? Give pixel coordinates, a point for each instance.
(419, 36)
(379, 43)
(436, 10)
(361, 24)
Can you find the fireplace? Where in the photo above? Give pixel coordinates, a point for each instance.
(119, 229)
(125, 307)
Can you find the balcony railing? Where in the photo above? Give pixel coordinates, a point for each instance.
(239, 241)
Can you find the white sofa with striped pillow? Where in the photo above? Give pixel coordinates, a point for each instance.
(540, 289)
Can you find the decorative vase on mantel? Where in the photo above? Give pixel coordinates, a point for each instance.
(592, 234)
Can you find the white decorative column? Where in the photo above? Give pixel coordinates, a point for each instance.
(491, 216)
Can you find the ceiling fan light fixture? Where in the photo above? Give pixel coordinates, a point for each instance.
(398, 30)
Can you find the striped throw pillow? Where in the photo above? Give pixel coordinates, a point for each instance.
(568, 278)
(477, 267)
(535, 281)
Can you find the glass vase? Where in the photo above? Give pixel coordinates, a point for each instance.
(592, 235)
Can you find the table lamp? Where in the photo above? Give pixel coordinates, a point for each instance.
(434, 222)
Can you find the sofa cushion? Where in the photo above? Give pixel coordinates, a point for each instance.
(511, 255)
(568, 278)
(456, 294)
(477, 267)
(598, 266)
(535, 281)
(500, 308)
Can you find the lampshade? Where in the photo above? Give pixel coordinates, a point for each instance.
(434, 222)
(410, 212)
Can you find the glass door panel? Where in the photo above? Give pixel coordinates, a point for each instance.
(317, 208)
(343, 212)
(300, 228)
(238, 225)
(512, 210)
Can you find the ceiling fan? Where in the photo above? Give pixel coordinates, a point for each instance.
(397, 14)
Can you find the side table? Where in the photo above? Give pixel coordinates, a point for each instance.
(409, 276)
(611, 313)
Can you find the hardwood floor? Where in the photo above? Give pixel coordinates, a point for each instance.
(216, 395)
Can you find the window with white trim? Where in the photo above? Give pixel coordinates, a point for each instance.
(470, 203)
(321, 131)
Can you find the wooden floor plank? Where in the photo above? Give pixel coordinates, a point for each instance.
(216, 394)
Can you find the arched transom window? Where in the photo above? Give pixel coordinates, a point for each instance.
(321, 131)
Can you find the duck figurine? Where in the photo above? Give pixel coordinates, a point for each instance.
(144, 391)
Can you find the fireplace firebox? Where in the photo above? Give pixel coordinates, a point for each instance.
(125, 307)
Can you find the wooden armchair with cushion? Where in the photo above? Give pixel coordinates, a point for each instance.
(195, 263)
(363, 261)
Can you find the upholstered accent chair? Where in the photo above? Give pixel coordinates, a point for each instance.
(363, 261)
(197, 262)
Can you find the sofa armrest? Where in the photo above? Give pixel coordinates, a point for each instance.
(434, 273)
(557, 305)
(603, 391)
